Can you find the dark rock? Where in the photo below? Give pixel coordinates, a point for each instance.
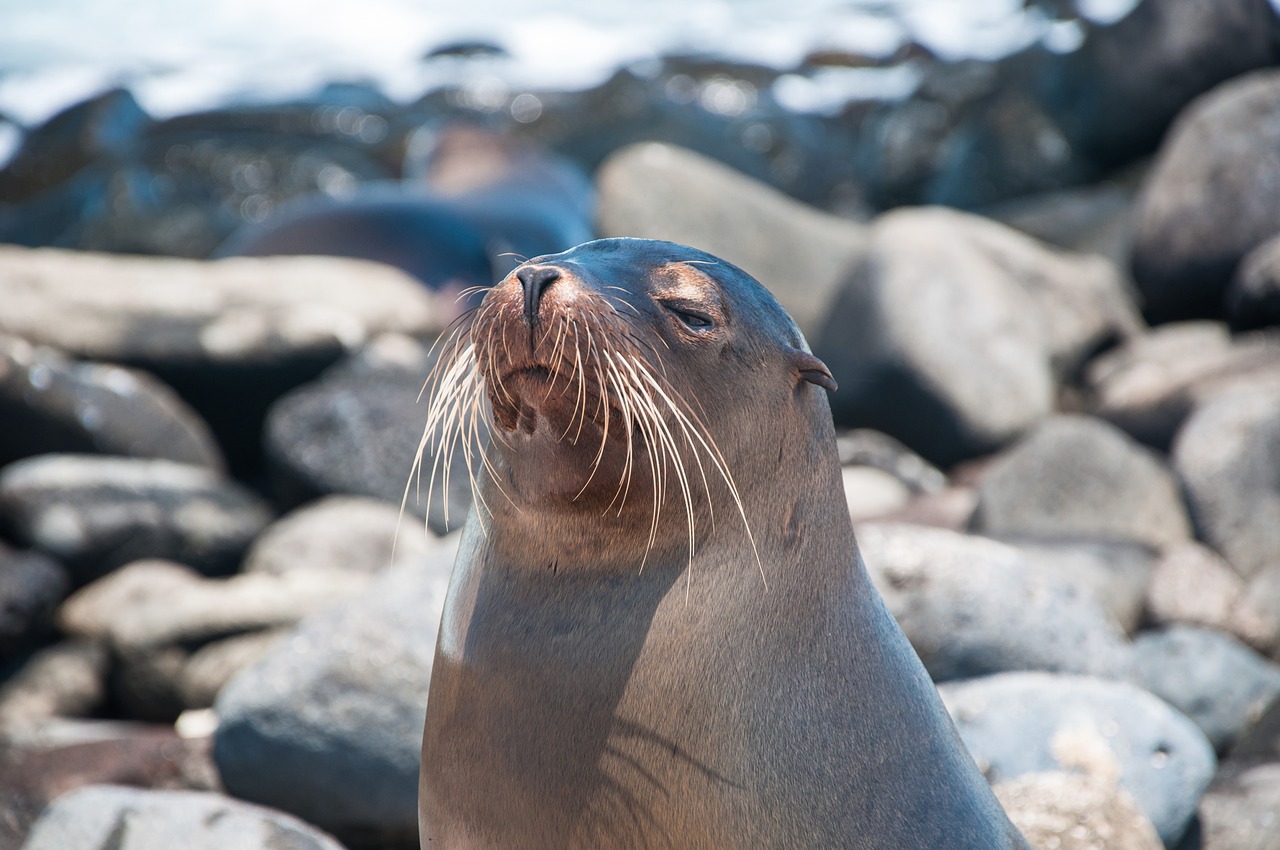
(1208, 201)
(1115, 574)
(1115, 96)
(1149, 385)
(105, 125)
(1209, 676)
(31, 586)
(1227, 459)
(356, 431)
(67, 679)
(51, 404)
(346, 533)
(135, 819)
(329, 725)
(972, 606)
(1057, 810)
(1253, 298)
(1019, 723)
(1192, 585)
(954, 332)
(1079, 476)
(96, 513)
(230, 336)
(801, 255)
(1241, 809)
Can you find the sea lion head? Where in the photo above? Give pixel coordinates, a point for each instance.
(630, 372)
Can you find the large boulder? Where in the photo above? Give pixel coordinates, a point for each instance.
(1020, 723)
(800, 254)
(1209, 200)
(329, 725)
(955, 331)
(1076, 476)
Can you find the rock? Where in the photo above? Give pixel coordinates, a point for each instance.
(328, 725)
(1079, 476)
(1115, 95)
(1241, 809)
(107, 124)
(801, 255)
(1208, 201)
(205, 327)
(351, 533)
(356, 431)
(67, 679)
(954, 331)
(151, 604)
(873, 492)
(1149, 385)
(51, 404)
(971, 606)
(1193, 585)
(950, 509)
(1227, 459)
(1209, 676)
(97, 513)
(864, 447)
(1115, 574)
(1253, 298)
(134, 819)
(31, 586)
(1091, 219)
(209, 668)
(1057, 810)
(1020, 723)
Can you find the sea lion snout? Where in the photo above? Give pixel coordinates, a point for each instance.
(534, 280)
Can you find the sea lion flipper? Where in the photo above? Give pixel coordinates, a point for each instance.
(813, 370)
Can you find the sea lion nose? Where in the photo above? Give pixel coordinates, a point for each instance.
(535, 280)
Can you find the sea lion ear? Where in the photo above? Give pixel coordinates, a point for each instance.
(813, 370)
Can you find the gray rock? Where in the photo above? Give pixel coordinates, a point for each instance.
(864, 447)
(1227, 459)
(954, 331)
(872, 492)
(1149, 385)
(1253, 298)
(97, 513)
(31, 586)
(1116, 575)
(352, 533)
(1241, 809)
(972, 606)
(209, 668)
(800, 254)
(1193, 585)
(67, 679)
(356, 431)
(1056, 810)
(1079, 476)
(1209, 200)
(1019, 723)
(230, 335)
(1209, 676)
(99, 816)
(329, 725)
(150, 604)
(49, 403)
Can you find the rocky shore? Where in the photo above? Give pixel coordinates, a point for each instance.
(1049, 288)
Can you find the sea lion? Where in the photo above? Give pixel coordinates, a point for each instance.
(659, 632)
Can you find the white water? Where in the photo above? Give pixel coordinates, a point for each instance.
(183, 55)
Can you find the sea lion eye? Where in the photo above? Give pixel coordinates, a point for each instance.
(692, 320)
